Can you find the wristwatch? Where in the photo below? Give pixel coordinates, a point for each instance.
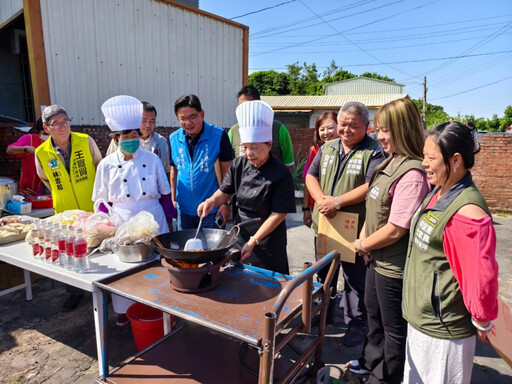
(304, 209)
(25, 148)
(337, 203)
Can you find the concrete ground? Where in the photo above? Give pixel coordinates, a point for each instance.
(39, 344)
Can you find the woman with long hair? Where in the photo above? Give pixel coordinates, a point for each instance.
(325, 130)
(396, 190)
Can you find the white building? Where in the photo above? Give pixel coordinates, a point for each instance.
(79, 53)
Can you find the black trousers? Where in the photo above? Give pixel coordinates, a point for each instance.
(355, 310)
(384, 345)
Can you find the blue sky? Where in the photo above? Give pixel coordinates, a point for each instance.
(464, 48)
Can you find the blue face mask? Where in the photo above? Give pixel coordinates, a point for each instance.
(129, 145)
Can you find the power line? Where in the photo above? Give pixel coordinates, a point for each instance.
(477, 45)
(300, 21)
(263, 9)
(409, 61)
(257, 35)
(472, 89)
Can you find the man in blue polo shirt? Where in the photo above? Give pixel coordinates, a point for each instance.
(200, 157)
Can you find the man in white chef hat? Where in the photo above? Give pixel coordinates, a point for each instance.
(264, 190)
(131, 179)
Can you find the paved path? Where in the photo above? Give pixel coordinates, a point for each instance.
(39, 344)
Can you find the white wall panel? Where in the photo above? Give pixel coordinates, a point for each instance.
(362, 86)
(8, 8)
(144, 48)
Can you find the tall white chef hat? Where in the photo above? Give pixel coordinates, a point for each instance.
(122, 113)
(255, 120)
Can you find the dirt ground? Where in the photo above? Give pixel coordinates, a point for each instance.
(40, 344)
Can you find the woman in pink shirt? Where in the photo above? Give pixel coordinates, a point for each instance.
(24, 148)
(451, 275)
(325, 130)
(397, 188)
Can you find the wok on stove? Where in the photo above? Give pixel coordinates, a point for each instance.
(217, 243)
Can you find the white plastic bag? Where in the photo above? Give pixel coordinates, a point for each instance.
(139, 229)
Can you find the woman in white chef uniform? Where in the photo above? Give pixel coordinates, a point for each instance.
(130, 179)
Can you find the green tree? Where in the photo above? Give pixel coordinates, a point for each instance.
(270, 83)
(303, 78)
(507, 119)
(435, 113)
(374, 75)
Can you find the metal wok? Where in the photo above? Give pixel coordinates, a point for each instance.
(217, 243)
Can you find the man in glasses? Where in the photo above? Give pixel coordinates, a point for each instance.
(66, 163)
(200, 157)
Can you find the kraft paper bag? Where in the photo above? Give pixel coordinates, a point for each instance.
(500, 334)
(337, 234)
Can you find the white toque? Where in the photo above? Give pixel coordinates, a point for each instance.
(122, 113)
(255, 120)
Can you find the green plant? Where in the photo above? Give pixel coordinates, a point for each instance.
(298, 169)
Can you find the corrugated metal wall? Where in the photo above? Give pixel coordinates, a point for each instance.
(8, 8)
(156, 52)
(362, 87)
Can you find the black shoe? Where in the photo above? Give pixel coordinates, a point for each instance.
(354, 336)
(72, 301)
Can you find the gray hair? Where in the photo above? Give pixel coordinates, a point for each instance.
(51, 111)
(356, 108)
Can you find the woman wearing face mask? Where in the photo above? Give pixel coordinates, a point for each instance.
(325, 130)
(132, 179)
(25, 148)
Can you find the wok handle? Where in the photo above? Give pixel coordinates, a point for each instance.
(244, 223)
(158, 242)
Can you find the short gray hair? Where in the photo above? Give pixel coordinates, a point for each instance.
(51, 111)
(356, 108)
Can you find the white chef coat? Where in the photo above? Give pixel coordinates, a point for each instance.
(133, 186)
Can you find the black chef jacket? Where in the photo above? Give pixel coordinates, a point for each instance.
(259, 192)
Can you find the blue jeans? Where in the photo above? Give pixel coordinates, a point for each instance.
(191, 222)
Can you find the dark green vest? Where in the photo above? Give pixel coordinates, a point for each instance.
(388, 261)
(276, 147)
(432, 300)
(352, 174)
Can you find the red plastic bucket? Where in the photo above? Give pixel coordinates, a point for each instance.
(147, 324)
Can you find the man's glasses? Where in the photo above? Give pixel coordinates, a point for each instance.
(62, 124)
(190, 118)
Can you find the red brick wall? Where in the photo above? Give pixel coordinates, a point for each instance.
(492, 172)
(302, 140)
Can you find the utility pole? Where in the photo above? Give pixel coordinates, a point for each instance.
(424, 111)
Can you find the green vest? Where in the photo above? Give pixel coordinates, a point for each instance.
(353, 173)
(69, 191)
(432, 300)
(276, 147)
(388, 261)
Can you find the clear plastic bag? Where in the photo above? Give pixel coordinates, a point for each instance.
(98, 226)
(139, 229)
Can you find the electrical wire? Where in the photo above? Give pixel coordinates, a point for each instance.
(472, 89)
(263, 9)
